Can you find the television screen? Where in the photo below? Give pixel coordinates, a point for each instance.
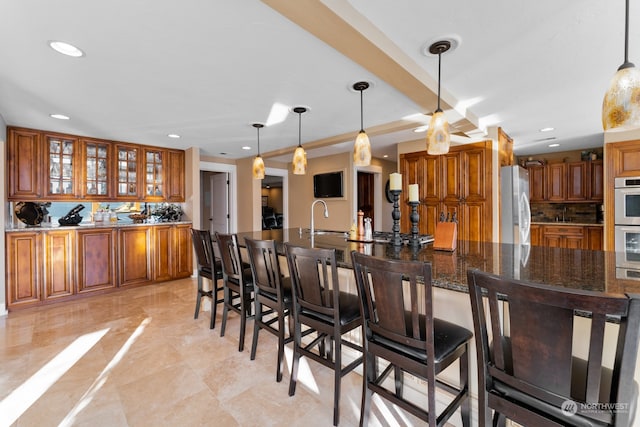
(327, 185)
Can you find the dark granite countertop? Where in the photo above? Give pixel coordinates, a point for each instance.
(570, 268)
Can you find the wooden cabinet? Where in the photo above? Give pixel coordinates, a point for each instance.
(595, 238)
(175, 176)
(127, 171)
(458, 182)
(536, 235)
(96, 260)
(172, 252)
(59, 266)
(567, 182)
(155, 162)
(23, 164)
(182, 246)
(162, 259)
(24, 270)
(563, 236)
(97, 174)
(61, 171)
(537, 183)
(135, 255)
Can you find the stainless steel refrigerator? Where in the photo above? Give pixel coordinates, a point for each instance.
(514, 207)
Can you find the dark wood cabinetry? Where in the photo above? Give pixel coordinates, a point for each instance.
(567, 236)
(51, 265)
(52, 167)
(96, 259)
(567, 182)
(536, 235)
(458, 182)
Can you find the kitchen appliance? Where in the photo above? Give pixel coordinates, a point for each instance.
(627, 246)
(515, 209)
(73, 217)
(627, 201)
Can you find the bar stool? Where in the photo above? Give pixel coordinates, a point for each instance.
(272, 291)
(400, 329)
(238, 283)
(208, 267)
(318, 304)
(528, 369)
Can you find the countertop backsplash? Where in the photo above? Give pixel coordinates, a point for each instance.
(580, 213)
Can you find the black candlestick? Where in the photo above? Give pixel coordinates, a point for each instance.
(396, 240)
(414, 217)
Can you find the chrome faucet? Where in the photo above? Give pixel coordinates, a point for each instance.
(326, 214)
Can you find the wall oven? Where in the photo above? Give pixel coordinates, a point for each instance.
(627, 247)
(627, 201)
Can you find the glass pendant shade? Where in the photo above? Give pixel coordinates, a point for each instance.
(438, 135)
(299, 161)
(621, 104)
(362, 150)
(258, 168)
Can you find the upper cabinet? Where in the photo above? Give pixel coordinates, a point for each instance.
(567, 182)
(50, 166)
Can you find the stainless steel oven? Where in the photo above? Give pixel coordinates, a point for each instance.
(627, 247)
(627, 201)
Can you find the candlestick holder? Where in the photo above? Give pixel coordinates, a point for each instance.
(414, 217)
(396, 240)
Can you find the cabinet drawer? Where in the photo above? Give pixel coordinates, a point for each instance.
(564, 230)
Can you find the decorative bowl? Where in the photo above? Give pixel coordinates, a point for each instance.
(138, 218)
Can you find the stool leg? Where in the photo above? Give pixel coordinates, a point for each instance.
(256, 328)
(337, 378)
(199, 297)
(465, 406)
(225, 309)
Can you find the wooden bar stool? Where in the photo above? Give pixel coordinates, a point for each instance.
(528, 369)
(208, 267)
(401, 331)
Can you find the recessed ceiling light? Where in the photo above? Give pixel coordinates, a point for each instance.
(59, 116)
(385, 156)
(246, 147)
(554, 145)
(547, 129)
(66, 49)
(173, 135)
(421, 129)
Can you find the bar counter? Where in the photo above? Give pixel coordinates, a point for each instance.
(570, 268)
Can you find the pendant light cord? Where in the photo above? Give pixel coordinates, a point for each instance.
(258, 130)
(626, 33)
(361, 113)
(439, 69)
(299, 129)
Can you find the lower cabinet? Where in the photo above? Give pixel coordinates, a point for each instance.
(57, 264)
(567, 236)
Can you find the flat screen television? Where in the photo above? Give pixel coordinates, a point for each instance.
(328, 185)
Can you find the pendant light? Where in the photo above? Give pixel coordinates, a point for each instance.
(299, 163)
(258, 163)
(621, 104)
(438, 135)
(362, 147)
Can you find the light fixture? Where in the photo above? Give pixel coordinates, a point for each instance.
(299, 163)
(621, 104)
(174, 136)
(66, 48)
(362, 147)
(59, 116)
(548, 129)
(438, 135)
(258, 163)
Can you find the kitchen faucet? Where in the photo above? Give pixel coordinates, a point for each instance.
(326, 214)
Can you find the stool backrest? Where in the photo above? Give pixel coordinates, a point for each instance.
(203, 247)
(265, 266)
(526, 339)
(230, 256)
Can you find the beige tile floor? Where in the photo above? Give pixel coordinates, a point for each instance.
(138, 358)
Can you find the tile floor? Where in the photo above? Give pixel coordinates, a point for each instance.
(138, 358)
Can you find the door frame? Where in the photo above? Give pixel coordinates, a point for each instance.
(233, 186)
(377, 189)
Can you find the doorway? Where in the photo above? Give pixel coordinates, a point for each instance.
(218, 200)
(366, 197)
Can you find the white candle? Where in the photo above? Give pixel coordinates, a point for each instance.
(413, 193)
(395, 181)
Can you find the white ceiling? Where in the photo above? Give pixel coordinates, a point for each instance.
(207, 69)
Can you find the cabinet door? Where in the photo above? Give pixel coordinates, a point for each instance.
(163, 257)
(23, 268)
(23, 164)
(175, 176)
(96, 158)
(596, 182)
(154, 174)
(412, 169)
(60, 166)
(96, 259)
(577, 183)
(556, 182)
(537, 183)
(182, 249)
(594, 238)
(135, 253)
(59, 264)
(127, 172)
(536, 235)
(450, 184)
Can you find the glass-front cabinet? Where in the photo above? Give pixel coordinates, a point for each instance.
(61, 166)
(127, 171)
(96, 158)
(155, 163)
